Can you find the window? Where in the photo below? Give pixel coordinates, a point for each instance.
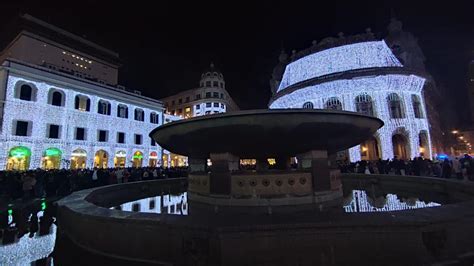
(416, 106)
(208, 84)
(208, 104)
(208, 94)
(180, 101)
(102, 136)
(138, 139)
(308, 105)
(122, 111)
(221, 85)
(120, 137)
(198, 96)
(187, 99)
(180, 110)
(208, 112)
(80, 133)
(222, 105)
(215, 84)
(198, 106)
(53, 131)
(82, 103)
(103, 107)
(26, 93)
(56, 98)
(364, 104)
(21, 128)
(139, 114)
(154, 119)
(215, 94)
(333, 103)
(395, 106)
(153, 143)
(172, 102)
(222, 95)
(216, 104)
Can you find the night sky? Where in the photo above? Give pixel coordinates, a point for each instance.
(165, 47)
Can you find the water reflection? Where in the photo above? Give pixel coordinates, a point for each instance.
(359, 201)
(169, 204)
(22, 250)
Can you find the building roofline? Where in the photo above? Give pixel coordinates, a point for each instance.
(68, 34)
(77, 83)
(344, 75)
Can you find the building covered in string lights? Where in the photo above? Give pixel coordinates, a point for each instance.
(360, 74)
(61, 106)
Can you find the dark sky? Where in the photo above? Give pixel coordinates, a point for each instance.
(166, 46)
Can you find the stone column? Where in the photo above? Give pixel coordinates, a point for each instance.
(197, 165)
(220, 177)
(317, 162)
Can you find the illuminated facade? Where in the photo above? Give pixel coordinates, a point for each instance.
(210, 98)
(360, 75)
(52, 118)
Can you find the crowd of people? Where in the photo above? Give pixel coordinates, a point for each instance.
(459, 167)
(41, 183)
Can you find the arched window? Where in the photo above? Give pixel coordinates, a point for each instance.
(416, 106)
(154, 118)
(308, 105)
(395, 106)
(82, 103)
(364, 104)
(139, 114)
(122, 111)
(56, 97)
(103, 107)
(333, 103)
(26, 93)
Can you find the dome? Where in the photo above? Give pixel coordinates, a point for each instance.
(212, 71)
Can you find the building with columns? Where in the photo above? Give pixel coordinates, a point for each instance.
(360, 74)
(61, 106)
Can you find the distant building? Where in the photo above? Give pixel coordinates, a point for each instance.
(62, 108)
(210, 97)
(361, 74)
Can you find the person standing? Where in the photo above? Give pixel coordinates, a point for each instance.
(446, 169)
(457, 168)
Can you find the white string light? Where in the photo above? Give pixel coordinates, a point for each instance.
(346, 90)
(339, 59)
(40, 113)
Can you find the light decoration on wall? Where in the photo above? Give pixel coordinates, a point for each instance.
(40, 113)
(19, 152)
(339, 59)
(378, 87)
(361, 203)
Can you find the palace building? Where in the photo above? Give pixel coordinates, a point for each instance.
(62, 108)
(359, 73)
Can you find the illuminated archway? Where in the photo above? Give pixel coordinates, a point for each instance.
(137, 159)
(18, 158)
(370, 150)
(165, 159)
(51, 158)
(400, 146)
(153, 159)
(120, 159)
(78, 159)
(101, 159)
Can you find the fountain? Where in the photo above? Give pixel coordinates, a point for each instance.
(309, 135)
(283, 216)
